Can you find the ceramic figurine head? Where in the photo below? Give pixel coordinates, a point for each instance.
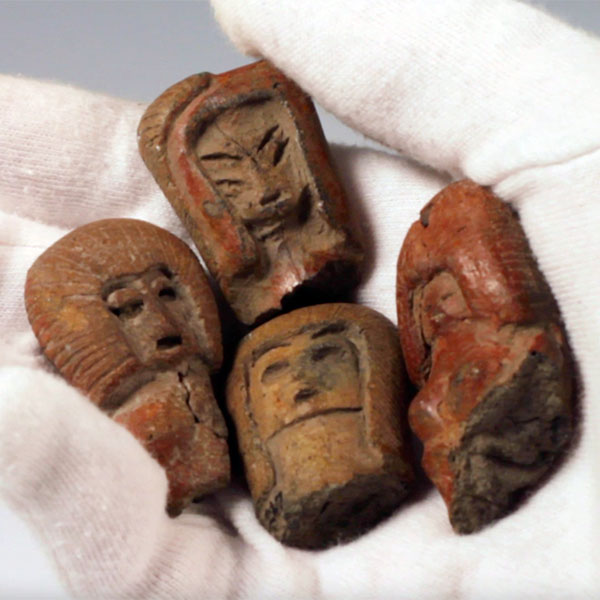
(482, 338)
(317, 397)
(242, 159)
(124, 311)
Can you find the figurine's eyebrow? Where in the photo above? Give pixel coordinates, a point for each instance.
(275, 368)
(115, 285)
(125, 280)
(119, 286)
(329, 329)
(159, 274)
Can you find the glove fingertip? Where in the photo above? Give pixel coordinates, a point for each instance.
(53, 440)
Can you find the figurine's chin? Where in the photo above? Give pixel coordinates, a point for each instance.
(323, 441)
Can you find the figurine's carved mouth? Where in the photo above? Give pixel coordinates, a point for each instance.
(168, 342)
(266, 231)
(274, 206)
(317, 413)
(279, 208)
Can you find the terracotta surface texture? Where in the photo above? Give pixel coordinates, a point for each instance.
(125, 312)
(242, 159)
(319, 403)
(482, 338)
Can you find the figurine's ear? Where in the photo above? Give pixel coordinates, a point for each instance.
(157, 121)
(167, 135)
(222, 239)
(260, 473)
(384, 382)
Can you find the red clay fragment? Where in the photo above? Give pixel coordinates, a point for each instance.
(124, 311)
(242, 158)
(482, 338)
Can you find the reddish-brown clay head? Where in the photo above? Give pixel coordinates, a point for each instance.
(482, 338)
(242, 158)
(318, 401)
(125, 312)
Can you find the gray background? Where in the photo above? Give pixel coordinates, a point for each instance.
(134, 50)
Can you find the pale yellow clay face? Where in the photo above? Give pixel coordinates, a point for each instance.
(306, 375)
(306, 398)
(251, 155)
(316, 399)
(155, 316)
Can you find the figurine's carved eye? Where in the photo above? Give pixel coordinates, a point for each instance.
(305, 394)
(325, 351)
(221, 156)
(274, 370)
(279, 151)
(128, 310)
(165, 271)
(280, 144)
(167, 294)
(267, 137)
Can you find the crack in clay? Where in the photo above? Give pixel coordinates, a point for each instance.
(235, 142)
(188, 393)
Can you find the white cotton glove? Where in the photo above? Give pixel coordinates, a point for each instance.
(491, 90)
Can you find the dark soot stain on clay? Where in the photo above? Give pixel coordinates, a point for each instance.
(482, 338)
(318, 401)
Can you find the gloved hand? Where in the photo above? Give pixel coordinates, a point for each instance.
(487, 89)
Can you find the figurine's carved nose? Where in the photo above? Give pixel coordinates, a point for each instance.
(160, 326)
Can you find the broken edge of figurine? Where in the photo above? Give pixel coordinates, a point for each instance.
(318, 397)
(483, 339)
(242, 159)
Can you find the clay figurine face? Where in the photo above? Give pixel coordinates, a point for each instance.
(321, 437)
(257, 167)
(482, 339)
(154, 316)
(124, 311)
(309, 374)
(242, 159)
